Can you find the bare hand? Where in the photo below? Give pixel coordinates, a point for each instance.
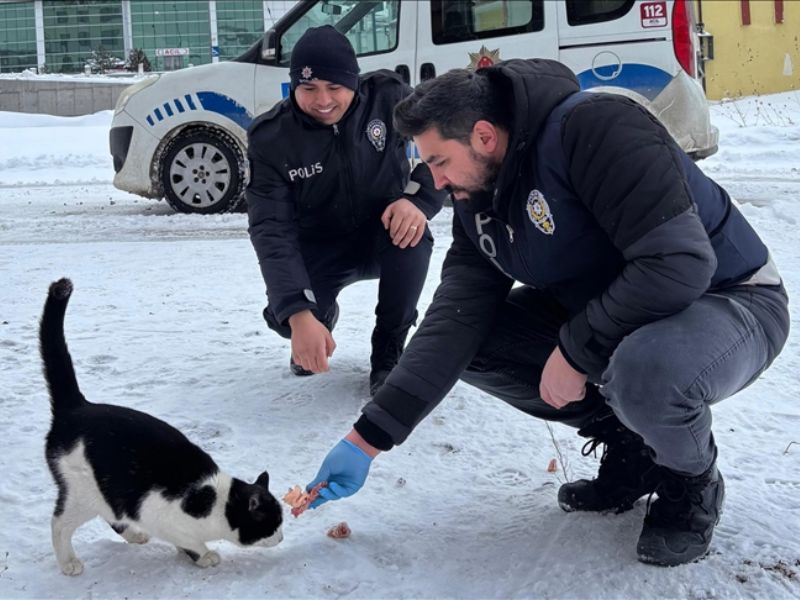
(561, 384)
(405, 223)
(312, 343)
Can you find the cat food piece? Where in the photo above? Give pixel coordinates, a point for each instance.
(339, 531)
(294, 496)
(300, 500)
(552, 466)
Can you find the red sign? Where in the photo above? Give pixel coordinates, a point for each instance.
(653, 14)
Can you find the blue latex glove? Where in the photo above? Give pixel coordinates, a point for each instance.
(345, 469)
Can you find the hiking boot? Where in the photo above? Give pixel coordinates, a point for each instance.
(330, 323)
(627, 471)
(679, 524)
(387, 346)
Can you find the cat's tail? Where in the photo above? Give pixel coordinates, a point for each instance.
(58, 369)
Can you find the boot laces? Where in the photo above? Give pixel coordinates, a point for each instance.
(618, 450)
(625, 465)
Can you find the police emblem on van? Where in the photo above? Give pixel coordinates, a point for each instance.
(483, 58)
(539, 213)
(376, 134)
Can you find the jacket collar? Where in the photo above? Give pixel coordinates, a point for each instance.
(534, 88)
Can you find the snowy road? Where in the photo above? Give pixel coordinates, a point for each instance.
(166, 319)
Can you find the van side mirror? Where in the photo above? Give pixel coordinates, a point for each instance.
(268, 45)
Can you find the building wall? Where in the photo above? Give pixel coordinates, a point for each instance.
(760, 58)
(73, 30)
(17, 37)
(172, 33)
(235, 19)
(69, 97)
(169, 24)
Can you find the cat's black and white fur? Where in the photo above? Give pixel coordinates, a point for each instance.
(138, 473)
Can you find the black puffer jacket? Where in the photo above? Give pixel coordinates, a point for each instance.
(596, 203)
(309, 180)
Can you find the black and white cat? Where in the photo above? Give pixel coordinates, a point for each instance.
(137, 472)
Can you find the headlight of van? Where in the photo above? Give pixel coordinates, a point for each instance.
(129, 91)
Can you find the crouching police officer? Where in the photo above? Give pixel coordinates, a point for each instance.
(332, 201)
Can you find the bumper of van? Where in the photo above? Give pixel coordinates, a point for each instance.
(132, 148)
(683, 108)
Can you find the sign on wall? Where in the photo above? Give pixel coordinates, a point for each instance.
(172, 52)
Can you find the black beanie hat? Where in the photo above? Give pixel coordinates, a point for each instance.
(324, 53)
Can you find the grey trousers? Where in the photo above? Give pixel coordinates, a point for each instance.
(660, 381)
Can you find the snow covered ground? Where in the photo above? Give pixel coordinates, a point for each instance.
(166, 318)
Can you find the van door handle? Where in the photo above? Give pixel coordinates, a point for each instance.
(427, 71)
(404, 72)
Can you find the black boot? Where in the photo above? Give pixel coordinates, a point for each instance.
(627, 472)
(387, 346)
(330, 323)
(679, 524)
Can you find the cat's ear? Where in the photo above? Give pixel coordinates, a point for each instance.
(263, 480)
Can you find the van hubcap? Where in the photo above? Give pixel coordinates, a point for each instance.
(200, 175)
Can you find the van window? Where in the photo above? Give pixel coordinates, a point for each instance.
(461, 20)
(582, 12)
(371, 25)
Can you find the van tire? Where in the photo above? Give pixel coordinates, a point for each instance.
(203, 171)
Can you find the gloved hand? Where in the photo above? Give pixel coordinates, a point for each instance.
(345, 469)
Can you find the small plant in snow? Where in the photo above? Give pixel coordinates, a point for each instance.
(562, 461)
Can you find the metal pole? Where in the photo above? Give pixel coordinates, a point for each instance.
(212, 20)
(38, 16)
(267, 19)
(127, 30)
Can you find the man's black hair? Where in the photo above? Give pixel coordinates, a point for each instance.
(453, 103)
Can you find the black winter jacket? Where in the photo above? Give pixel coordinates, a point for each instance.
(309, 180)
(594, 202)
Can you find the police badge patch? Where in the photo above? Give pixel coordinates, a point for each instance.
(539, 213)
(376, 134)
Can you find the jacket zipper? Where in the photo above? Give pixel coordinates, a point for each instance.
(517, 256)
(347, 174)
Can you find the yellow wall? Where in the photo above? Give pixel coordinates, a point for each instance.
(751, 59)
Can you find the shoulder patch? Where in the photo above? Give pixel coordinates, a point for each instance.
(376, 134)
(539, 213)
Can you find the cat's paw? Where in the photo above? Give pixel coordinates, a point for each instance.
(72, 567)
(209, 559)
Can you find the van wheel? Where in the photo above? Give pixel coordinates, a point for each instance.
(203, 172)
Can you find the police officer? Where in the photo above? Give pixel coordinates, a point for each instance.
(645, 296)
(332, 201)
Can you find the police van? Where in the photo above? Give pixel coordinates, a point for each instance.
(182, 135)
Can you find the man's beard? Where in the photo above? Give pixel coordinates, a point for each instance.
(481, 193)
